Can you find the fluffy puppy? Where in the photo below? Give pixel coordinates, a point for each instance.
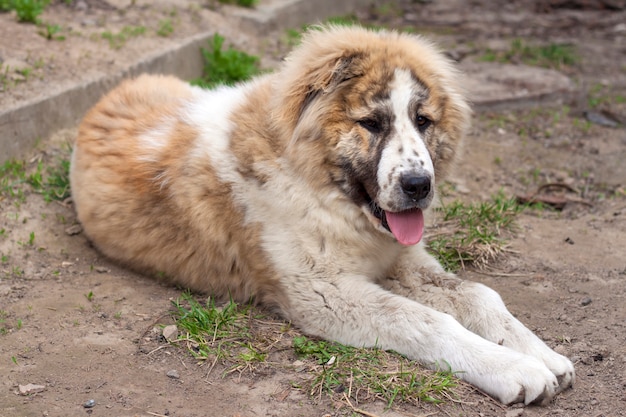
(307, 189)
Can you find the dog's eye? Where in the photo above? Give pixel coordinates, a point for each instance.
(422, 122)
(371, 124)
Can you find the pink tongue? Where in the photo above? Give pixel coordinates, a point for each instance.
(407, 226)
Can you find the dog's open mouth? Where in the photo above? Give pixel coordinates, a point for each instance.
(407, 226)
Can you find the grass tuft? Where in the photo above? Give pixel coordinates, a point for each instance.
(27, 11)
(218, 332)
(242, 3)
(119, 39)
(473, 233)
(549, 56)
(364, 373)
(52, 182)
(225, 66)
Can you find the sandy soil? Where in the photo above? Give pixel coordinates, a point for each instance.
(565, 274)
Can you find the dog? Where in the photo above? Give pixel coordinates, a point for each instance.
(307, 189)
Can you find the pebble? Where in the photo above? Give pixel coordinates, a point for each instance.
(90, 404)
(173, 374)
(170, 333)
(586, 301)
(31, 389)
(517, 412)
(73, 230)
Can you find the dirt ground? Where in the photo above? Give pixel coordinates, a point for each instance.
(82, 327)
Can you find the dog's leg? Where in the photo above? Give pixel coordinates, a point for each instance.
(357, 312)
(477, 307)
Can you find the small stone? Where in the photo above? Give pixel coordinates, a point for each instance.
(29, 389)
(102, 269)
(586, 301)
(170, 333)
(173, 373)
(516, 412)
(74, 230)
(560, 349)
(90, 404)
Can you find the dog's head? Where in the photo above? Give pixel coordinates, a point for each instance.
(382, 111)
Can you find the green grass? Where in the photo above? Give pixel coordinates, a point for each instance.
(6, 325)
(52, 182)
(27, 11)
(552, 55)
(119, 39)
(242, 3)
(166, 28)
(12, 178)
(473, 233)
(225, 66)
(604, 96)
(217, 332)
(366, 373)
(241, 338)
(51, 32)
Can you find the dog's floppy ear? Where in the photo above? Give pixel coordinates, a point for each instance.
(306, 81)
(342, 69)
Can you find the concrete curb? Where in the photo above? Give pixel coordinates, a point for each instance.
(500, 87)
(490, 86)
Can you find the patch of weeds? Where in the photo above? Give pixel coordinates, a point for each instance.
(3, 318)
(242, 3)
(52, 182)
(12, 176)
(473, 233)
(347, 20)
(57, 185)
(5, 326)
(582, 124)
(89, 296)
(390, 9)
(28, 11)
(363, 373)
(166, 28)
(5, 79)
(225, 66)
(24, 72)
(119, 39)
(292, 37)
(51, 32)
(220, 332)
(552, 55)
(602, 96)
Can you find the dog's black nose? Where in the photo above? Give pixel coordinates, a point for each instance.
(415, 187)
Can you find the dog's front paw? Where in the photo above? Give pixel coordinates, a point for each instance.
(560, 366)
(521, 378)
